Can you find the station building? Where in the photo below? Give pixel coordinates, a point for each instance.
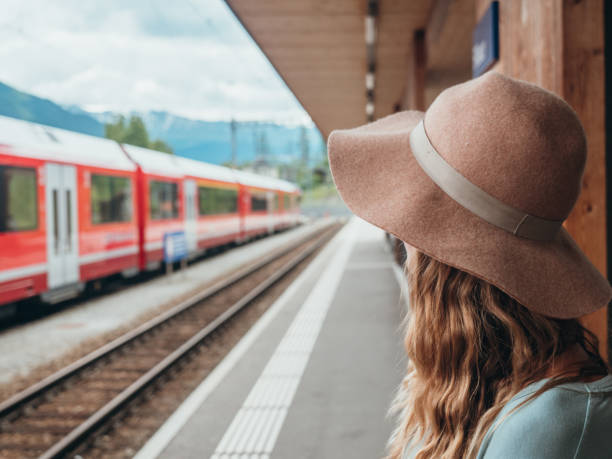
(353, 61)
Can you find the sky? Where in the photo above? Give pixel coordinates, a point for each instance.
(189, 57)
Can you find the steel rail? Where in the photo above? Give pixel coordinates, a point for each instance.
(79, 434)
(21, 398)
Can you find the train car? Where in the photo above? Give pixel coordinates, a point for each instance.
(212, 216)
(161, 211)
(259, 204)
(289, 199)
(67, 211)
(292, 202)
(75, 208)
(186, 198)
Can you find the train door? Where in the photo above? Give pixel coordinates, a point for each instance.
(271, 208)
(191, 221)
(62, 240)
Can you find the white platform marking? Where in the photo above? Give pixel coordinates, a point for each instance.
(181, 416)
(256, 426)
(369, 265)
(400, 276)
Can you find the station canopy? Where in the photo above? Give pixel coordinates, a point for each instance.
(319, 48)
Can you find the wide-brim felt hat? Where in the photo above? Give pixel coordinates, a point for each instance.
(482, 182)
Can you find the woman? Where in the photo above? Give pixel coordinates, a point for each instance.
(478, 188)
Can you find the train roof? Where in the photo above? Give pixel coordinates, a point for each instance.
(260, 181)
(35, 140)
(38, 141)
(287, 186)
(195, 168)
(155, 162)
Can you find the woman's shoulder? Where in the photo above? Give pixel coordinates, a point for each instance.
(568, 421)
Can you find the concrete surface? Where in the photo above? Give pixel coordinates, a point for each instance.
(345, 382)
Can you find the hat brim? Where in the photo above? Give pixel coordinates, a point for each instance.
(379, 179)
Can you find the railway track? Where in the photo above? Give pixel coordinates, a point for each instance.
(65, 410)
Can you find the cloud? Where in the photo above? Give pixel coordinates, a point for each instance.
(191, 58)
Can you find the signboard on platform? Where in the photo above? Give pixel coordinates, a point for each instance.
(175, 246)
(485, 45)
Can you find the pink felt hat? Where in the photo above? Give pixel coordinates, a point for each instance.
(482, 181)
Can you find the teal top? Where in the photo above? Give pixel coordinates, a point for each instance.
(572, 421)
(569, 421)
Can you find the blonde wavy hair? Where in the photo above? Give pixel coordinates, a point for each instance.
(471, 347)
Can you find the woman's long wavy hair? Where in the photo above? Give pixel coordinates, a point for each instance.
(471, 347)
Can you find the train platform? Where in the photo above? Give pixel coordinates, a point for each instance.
(315, 376)
(89, 323)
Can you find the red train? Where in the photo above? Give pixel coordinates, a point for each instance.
(75, 208)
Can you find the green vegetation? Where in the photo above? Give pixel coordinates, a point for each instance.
(323, 200)
(325, 192)
(134, 132)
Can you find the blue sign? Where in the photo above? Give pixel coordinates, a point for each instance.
(485, 47)
(175, 246)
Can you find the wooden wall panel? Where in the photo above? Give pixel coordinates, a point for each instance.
(583, 88)
(559, 45)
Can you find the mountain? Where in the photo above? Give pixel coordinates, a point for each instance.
(17, 104)
(208, 141)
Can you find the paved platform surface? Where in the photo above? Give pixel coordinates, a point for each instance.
(32, 344)
(314, 378)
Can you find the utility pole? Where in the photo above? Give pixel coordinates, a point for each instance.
(304, 146)
(233, 127)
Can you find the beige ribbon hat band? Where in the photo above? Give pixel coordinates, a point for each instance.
(473, 198)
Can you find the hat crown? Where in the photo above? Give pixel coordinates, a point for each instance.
(518, 142)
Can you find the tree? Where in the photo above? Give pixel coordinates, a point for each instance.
(116, 130)
(162, 146)
(134, 133)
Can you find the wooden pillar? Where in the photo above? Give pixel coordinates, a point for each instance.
(583, 88)
(419, 69)
(559, 44)
(414, 96)
(608, 164)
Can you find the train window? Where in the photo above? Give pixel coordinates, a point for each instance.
(287, 201)
(111, 199)
(217, 200)
(18, 199)
(259, 200)
(163, 200)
